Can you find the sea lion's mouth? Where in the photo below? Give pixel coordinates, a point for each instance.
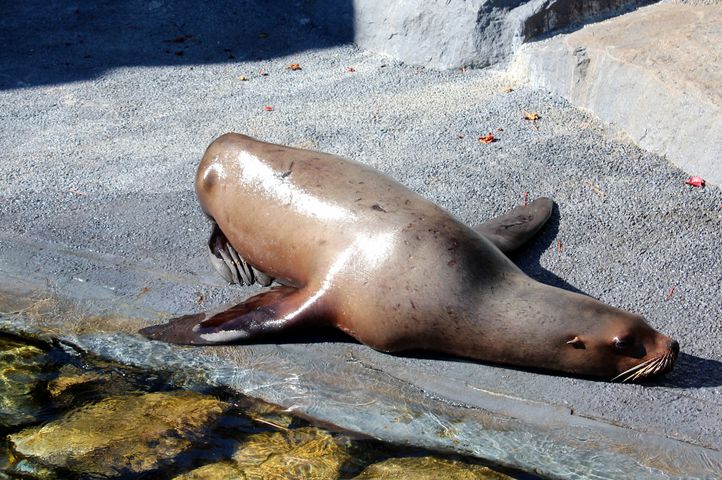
(654, 366)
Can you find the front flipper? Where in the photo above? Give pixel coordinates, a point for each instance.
(511, 230)
(269, 312)
(229, 264)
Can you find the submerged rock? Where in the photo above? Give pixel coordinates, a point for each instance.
(90, 381)
(9, 465)
(33, 470)
(20, 368)
(428, 468)
(213, 471)
(120, 435)
(269, 414)
(71, 377)
(5, 456)
(303, 453)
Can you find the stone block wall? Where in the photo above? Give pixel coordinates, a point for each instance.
(453, 33)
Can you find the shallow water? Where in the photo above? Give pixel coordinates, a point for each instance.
(64, 415)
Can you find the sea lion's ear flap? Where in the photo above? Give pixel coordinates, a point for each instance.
(576, 342)
(512, 229)
(269, 312)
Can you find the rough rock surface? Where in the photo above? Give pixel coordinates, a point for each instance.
(453, 33)
(20, 367)
(663, 89)
(304, 453)
(119, 435)
(213, 471)
(427, 468)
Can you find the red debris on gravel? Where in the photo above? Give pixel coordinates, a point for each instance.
(695, 182)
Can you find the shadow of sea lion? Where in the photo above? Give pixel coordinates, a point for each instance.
(691, 371)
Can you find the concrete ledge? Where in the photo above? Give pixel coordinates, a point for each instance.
(655, 73)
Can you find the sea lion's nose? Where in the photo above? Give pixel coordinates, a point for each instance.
(674, 346)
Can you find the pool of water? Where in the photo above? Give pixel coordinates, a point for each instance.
(66, 415)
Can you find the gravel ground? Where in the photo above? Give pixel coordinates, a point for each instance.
(99, 154)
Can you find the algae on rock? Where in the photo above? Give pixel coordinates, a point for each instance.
(75, 386)
(214, 471)
(20, 368)
(122, 434)
(303, 453)
(70, 377)
(428, 468)
(269, 414)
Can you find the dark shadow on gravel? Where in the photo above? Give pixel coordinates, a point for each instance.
(692, 371)
(66, 41)
(527, 257)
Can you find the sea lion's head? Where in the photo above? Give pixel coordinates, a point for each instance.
(618, 345)
(555, 329)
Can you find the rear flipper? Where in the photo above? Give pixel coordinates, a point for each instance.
(269, 312)
(511, 230)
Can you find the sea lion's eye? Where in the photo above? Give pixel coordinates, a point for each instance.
(623, 342)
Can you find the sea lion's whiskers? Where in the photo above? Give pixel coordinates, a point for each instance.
(636, 375)
(669, 360)
(647, 368)
(646, 371)
(653, 368)
(632, 370)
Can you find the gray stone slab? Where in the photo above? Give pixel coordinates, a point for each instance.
(97, 208)
(453, 33)
(655, 73)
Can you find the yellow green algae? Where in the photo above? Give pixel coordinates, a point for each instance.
(300, 453)
(428, 468)
(120, 435)
(303, 453)
(21, 365)
(70, 377)
(213, 471)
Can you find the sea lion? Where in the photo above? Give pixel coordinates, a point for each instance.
(352, 248)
